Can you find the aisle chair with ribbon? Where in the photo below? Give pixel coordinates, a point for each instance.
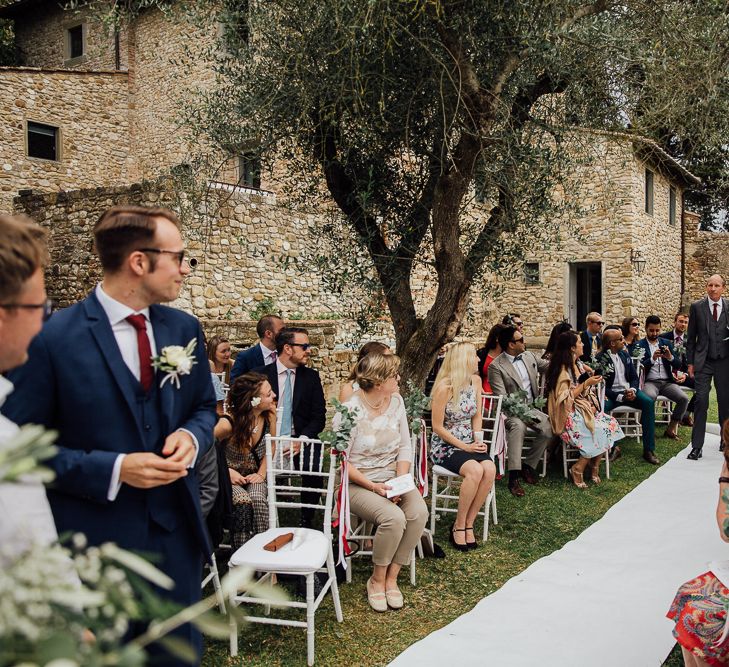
(309, 552)
(494, 436)
(362, 533)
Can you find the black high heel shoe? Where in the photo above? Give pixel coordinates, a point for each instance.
(474, 544)
(454, 544)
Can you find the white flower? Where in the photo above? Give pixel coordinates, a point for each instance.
(255, 401)
(175, 360)
(173, 354)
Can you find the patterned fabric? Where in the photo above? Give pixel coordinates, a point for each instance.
(250, 502)
(699, 610)
(576, 433)
(457, 421)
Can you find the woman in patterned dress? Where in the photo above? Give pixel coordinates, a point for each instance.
(574, 408)
(699, 608)
(252, 406)
(457, 413)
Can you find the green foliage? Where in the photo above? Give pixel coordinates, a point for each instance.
(416, 403)
(345, 419)
(265, 306)
(518, 405)
(602, 365)
(21, 454)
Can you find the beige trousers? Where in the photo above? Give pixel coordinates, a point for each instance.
(399, 527)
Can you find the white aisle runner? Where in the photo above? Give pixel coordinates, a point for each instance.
(601, 600)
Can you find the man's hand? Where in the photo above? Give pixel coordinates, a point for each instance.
(657, 354)
(145, 470)
(629, 394)
(691, 371)
(179, 447)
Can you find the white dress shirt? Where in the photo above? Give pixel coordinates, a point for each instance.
(678, 338)
(25, 515)
(269, 356)
(719, 307)
(657, 373)
(620, 383)
(126, 338)
(521, 369)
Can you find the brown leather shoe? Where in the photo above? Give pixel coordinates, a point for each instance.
(688, 420)
(516, 490)
(673, 436)
(529, 475)
(651, 458)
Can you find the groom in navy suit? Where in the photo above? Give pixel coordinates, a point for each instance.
(127, 442)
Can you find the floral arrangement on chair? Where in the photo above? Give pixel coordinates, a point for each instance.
(517, 405)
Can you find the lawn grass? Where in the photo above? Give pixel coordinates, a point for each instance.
(551, 514)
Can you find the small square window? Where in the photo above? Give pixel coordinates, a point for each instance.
(531, 273)
(249, 170)
(42, 141)
(672, 206)
(649, 192)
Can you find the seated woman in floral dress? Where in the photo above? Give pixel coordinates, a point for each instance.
(379, 450)
(700, 606)
(457, 413)
(252, 407)
(574, 408)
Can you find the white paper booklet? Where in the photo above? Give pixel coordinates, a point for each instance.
(400, 485)
(720, 568)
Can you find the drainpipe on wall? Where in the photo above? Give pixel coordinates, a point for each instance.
(117, 51)
(683, 255)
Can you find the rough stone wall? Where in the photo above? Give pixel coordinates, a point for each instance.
(91, 111)
(41, 40)
(706, 253)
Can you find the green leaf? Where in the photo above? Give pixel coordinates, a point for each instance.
(138, 565)
(179, 648)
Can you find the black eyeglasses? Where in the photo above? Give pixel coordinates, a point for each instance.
(179, 255)
(303, 346)
(47, 307)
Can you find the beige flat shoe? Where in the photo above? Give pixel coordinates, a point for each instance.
(394, 598)
(378, 601)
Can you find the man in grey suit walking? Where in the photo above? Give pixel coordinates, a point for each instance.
(707, 353)
(512, 370)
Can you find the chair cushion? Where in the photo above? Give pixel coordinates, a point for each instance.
(624, 408)
(309, 554)
(443, 472)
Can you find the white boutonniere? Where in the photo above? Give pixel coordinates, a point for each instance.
(175, 360)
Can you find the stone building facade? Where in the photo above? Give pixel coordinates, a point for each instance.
(117, 110)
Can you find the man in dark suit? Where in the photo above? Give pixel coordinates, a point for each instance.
(659, 364)
(513, 370)
(707, 353)
(621, 388)
(592, 336)
(301, 405)
(677, 336)
(263, 352)
(129, 436)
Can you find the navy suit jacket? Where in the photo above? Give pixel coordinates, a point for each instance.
(630, 374)
(587, 346)
(76, 382)
(246, 361)
(309, 410)
(668, 366)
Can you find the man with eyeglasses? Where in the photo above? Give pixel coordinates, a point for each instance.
(128, 439)
(592, 336)
(513, 370)
(513, 320)
(25, 516)
(301, 405)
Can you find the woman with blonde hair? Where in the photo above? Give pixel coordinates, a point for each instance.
(350, 386)
(457, 413)
(379, 450)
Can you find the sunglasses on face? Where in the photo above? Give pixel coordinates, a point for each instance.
(303, 346)
(179, 255)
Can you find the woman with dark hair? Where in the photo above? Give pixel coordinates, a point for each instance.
(252, 408)
(487, 354)
(350, 386)
(574, 408)
(218, 350)
(557, 329)
(630, 327)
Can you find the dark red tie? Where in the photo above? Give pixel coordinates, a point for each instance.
(716, 314)
(146, 374)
